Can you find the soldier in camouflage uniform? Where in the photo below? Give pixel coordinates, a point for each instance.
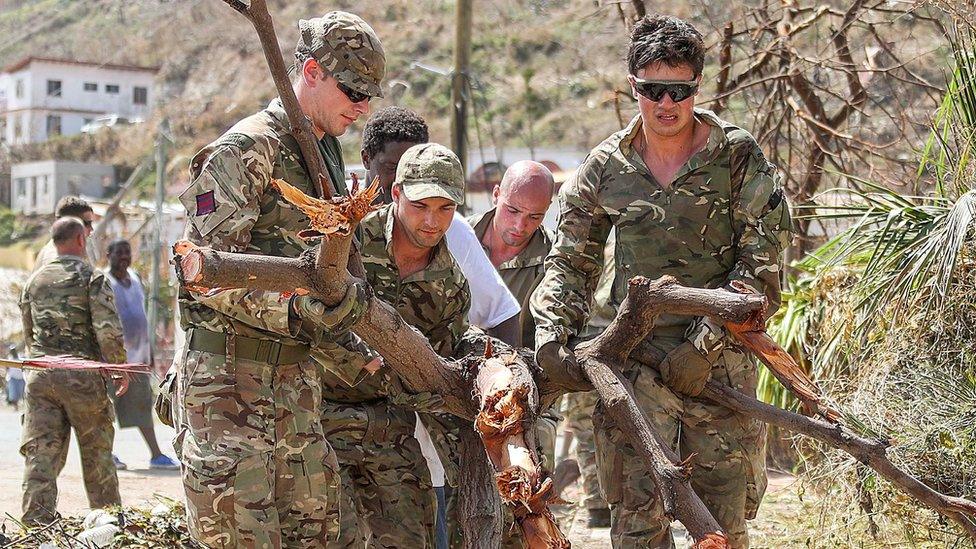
(257, 469)
(408, 266)
(691, 196)
(68, 309)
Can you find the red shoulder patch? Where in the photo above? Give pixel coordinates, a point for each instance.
(206, 204)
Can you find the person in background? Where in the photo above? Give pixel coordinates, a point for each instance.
(68, 309)
(72, 206)
(15, 380)
(134, 408)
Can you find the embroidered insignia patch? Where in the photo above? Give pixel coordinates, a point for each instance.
(206, 203)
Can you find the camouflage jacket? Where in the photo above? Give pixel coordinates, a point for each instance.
(434, 300)
(523, 272)
(68, 309)
(232, 207)
(723, 218)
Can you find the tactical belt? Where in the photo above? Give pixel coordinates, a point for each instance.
(267, 351)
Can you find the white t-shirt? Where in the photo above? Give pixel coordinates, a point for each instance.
(491, 301)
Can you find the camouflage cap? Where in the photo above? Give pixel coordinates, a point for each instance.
(430, 170)
(347, 48)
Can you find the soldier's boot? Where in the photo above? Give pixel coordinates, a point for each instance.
(93, 420)
(45, 449)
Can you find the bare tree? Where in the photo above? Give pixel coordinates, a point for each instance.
(828, 89)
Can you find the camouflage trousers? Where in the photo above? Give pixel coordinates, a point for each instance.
(579, 417)
(57, 401)
(388, 500)
(257, 469)
(729, 467)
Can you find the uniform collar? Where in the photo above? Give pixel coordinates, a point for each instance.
(277, 111)
(533, 254)
(717, 142)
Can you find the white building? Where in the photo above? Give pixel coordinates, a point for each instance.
(36, 187)
(41, 97)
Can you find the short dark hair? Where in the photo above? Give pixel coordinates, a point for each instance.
(392, 125)
(666, 39)
(116, 243)
(71, 206)
(66, 228)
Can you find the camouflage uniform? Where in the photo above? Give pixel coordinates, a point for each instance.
(257, 469)
(383, 467)
(722, 219)
(68, 309)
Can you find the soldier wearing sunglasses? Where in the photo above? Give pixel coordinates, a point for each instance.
(692, 196)
(257, 468)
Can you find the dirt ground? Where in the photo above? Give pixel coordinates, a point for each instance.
(777, 526)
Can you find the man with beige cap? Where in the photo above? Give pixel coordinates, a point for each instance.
(409, 266)
(257, 468)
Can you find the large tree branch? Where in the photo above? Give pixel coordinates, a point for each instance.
(626, 336)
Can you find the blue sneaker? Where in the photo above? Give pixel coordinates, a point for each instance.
(163, 462)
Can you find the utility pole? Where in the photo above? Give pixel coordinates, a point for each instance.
(459, 82)
(157, 240)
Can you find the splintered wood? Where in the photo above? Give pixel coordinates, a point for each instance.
(752, 335)
(501, 424)
(336, 216)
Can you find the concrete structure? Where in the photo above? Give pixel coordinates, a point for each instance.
(41, 97)
(36, 187)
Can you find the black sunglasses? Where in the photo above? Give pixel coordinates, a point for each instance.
(88, 224)
(353, 95)
(655, 89)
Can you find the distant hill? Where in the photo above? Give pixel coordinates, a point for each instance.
(545, 71)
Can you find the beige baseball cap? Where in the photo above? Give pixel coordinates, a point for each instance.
(430, 170)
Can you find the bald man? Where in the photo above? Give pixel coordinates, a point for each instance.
(512, 234)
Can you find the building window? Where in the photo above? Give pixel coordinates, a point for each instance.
(53, 124)
(3, 129)
(91, 87)
(44, 188)
(20, 89)
(33, 192)
(18, 129)
(21, 187)
(54, 88)
(140, 95)
(111, 88)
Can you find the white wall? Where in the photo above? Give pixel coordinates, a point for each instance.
(36, 187)
(75, 103)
